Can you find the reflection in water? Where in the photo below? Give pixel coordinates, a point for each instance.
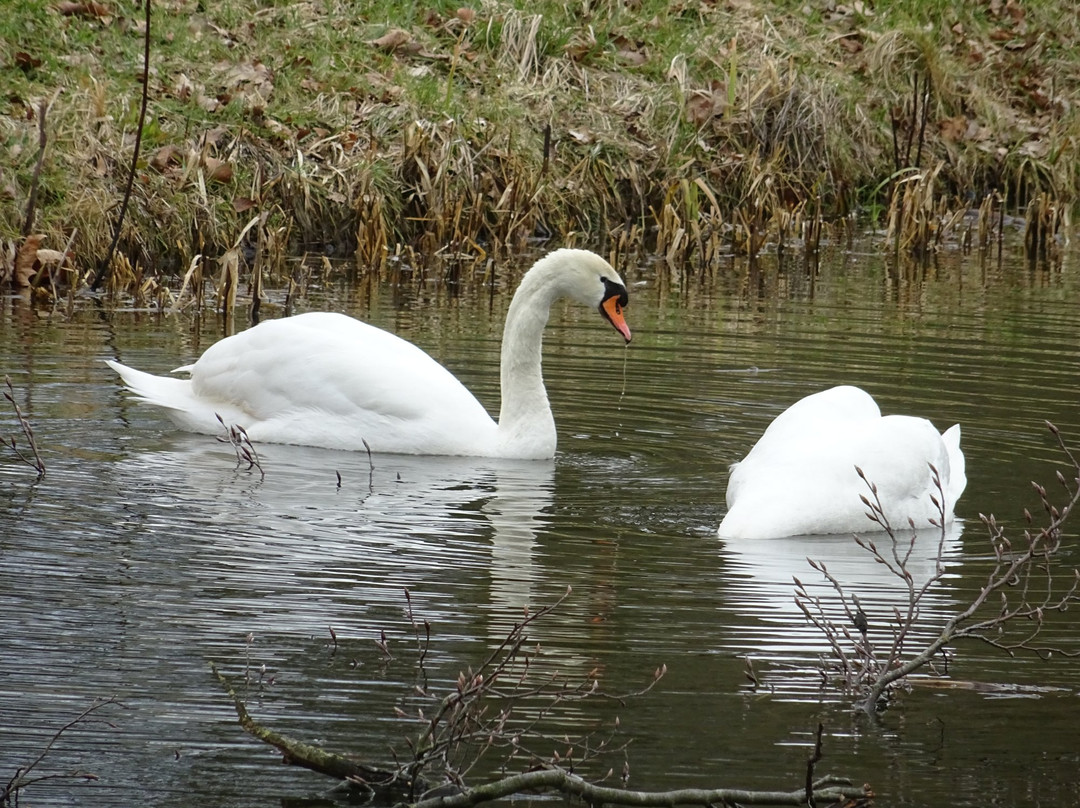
(762, 587)
(196, 561)
(330, 521)
(142, 554)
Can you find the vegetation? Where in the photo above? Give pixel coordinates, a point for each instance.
(508, 716)
(1028, 582)
(687, 129)
(32, 772)
(506, 712)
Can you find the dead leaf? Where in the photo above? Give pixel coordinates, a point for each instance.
(392, 40)
(218, 170)
(632, 58)
(580, 46)
(1037, 149)
(215, 136)
(242, 204)
(703, 105)
(26, 261)
(851, 44)
(25, 62)
(466, 15)
(184, 88)
(630, 51)
(85, 9)
(164, 157)
(51, 256)
(954, 129)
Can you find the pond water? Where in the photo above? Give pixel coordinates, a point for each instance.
(145, 553)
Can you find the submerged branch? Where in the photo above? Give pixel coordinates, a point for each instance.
(1029, 580)
(382, 783)
(36, 462)
(828, 788)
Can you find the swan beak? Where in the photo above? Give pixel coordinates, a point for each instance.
(612, 309)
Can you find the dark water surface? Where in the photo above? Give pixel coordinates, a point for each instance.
(144, 553)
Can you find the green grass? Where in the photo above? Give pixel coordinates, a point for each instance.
(641, 97)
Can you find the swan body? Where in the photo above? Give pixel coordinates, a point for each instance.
(800, 477)
(328, 380)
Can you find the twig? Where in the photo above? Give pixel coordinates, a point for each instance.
(1023, 581)
(103, 267)
(463, 721)
(828, 789)
(21, 779)
(36, 462)
(371, 469)
(43, 139)
(237, 437)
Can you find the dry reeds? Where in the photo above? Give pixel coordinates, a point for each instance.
(1044, 229)
(474, 133)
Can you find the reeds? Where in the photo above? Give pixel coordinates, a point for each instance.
(489, 129)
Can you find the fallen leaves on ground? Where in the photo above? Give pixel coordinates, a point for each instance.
(85, 9)
(32, 259)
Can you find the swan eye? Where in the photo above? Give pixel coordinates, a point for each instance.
(613, 289)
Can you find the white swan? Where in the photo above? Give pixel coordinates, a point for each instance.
(324, 379)
(800, 477)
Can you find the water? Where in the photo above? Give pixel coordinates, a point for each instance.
(144, 554)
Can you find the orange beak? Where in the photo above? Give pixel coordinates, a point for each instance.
(613, 311)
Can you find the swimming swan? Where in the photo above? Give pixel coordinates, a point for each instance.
(324, 379)
(800, 478)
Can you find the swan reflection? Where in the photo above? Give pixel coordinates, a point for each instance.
(326, 537)
(760, 587)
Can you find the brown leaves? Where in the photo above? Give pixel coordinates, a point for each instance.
(165, 157)
(251, 82)
(32, 263)
(703, 105)
(218, 170)
(580, 46)
(630, 52)
(181, 163)
(26, 62)
(26, 261)
(90, 8)
(953, 129)
(394, 40)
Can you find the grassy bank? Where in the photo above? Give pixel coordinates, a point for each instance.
(346, 127)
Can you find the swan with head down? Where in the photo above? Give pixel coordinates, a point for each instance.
(328, 380)
(800, 477)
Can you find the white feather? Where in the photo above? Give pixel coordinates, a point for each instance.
(324, 379)
(800, 477)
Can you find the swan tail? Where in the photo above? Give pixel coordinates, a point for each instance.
(159, 390)
(957, 481)
(177, 398)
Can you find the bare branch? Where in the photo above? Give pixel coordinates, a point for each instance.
(1025, 582)
(23, 775)
(237, 437)
(28, 432)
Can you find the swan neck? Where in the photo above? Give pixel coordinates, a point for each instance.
(525, 414)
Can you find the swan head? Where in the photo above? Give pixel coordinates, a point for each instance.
(612, 304)
(590, 280)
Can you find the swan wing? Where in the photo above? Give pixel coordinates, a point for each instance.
(325, 379)
(801, 478)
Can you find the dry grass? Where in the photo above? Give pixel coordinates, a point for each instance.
(690, 131)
